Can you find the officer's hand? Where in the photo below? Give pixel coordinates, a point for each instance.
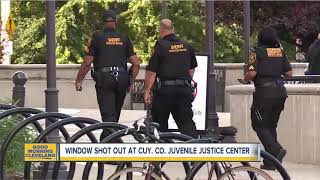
(147, 97)
(130, 88)
(78, 86)
(242, 81)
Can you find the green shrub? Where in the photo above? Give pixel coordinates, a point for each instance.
(14, 157)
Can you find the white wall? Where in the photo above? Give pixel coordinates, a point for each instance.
(298, 128)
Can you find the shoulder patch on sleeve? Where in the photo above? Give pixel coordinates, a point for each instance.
(154, 47)
(274, 52)
(86, 47)
(251, 67)
(252, 58)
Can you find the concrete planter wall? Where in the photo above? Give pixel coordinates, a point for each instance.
(298, 128)
(69, 98)
(234, 71)
(66, 74)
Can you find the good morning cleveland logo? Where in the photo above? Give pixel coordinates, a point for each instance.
(40, 152)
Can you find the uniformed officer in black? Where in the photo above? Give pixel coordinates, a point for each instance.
(313, 58)
(267, 64)
(109, 52)
(172, 63)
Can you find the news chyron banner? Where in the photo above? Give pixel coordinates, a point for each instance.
(175, 152)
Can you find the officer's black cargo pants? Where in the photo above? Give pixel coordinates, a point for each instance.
(177, 101)
(265, 113)
(111, 93)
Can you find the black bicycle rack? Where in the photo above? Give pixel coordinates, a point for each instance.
(58, 121)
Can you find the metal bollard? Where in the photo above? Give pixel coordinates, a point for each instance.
(19, 91)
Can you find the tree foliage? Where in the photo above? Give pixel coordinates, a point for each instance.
(142, 21)
(29, 39)
(293, 19)
(77, 20)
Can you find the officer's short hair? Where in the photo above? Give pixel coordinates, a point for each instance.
(109, 14)
(268, 36)
(166, 27)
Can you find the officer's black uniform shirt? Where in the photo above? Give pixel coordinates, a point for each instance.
(313, 57)
(270, 64)
(110, 49)
(172, 59)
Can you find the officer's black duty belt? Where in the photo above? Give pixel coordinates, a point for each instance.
(177, 82)
(271, 84)
(111, 69)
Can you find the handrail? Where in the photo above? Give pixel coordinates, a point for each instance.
(303, 78)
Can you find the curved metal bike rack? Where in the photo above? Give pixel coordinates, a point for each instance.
(78, 121)
(277, 163)
(32, 116)
(12, 110)
(166, 137)
(97, 126)
(6, 106)
(24, 123)
(107, 139)
(26, 112)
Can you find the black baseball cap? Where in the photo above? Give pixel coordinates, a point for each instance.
(109, 14)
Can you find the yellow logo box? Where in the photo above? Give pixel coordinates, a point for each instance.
(40, 152)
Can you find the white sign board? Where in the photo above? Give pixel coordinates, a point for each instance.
(199, 104)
